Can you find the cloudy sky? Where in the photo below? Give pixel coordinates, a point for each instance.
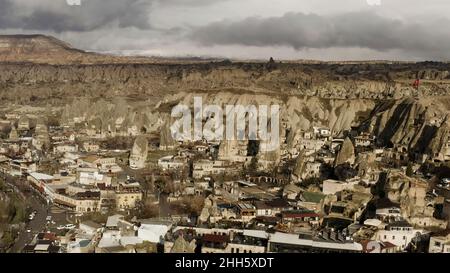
(251, 29)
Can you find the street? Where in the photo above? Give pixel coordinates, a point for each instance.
(39, 223)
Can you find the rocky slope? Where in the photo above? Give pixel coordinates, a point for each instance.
(322, 80)
(375, 96)
(45, 67)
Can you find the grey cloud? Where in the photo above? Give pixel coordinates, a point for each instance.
(357, 29)
(195, 3)
(57, 16)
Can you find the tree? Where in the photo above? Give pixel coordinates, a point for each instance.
(409, 170)
(252, 168)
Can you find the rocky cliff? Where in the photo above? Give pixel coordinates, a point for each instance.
(46, 67)
(415, 204)
(376, 97)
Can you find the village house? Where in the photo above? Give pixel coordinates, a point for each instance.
(444, 154)
(399, 233)
(247, 242)
(382, 247)
(246, 211)
(92, 177)
(296, 216)
(310, 200)
(331, 186)
(324, 242)
(212, 243)
(19, 167)
(153, 231)
(322, 132)
(336, 144)
(202, 168)
(386, 210)
(106, 164)
(364, 140)
(440, 243)
(82, 202)
(172, 163)
(128, 195)
(23, 124)
(89, 227)
(263, 209)
(90, 147)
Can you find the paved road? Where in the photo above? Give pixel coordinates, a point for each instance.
(38, 204)
(36, 225)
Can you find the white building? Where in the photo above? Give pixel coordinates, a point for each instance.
(93, 178)
(65, 148)
(204, 168)
(153, 232)
(440, 243)
(171, 163)
(399, 233)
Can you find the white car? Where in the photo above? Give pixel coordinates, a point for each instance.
(61, 227)
(70, 226)
(29, 230)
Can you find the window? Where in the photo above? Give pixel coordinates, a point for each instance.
(385, 237)
(232, 250)
(237, 250)
(393, 237)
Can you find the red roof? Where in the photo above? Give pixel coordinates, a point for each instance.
(216, 238)
(388, 245)
(300, 215)
(50, 236)
(383, 245)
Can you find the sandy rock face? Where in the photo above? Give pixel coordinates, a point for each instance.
(346, 153)
(45, 67)
(420, 124)
(410, 193)
(139, 153)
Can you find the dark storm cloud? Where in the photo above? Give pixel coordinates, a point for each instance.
(57, 15)
(357, 29)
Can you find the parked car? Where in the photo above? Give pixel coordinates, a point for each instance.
(61, 227)
(70, 226)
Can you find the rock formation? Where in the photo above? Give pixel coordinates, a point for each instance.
(139, 153)
(346, 154)
(119, 95)
(411, 194)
